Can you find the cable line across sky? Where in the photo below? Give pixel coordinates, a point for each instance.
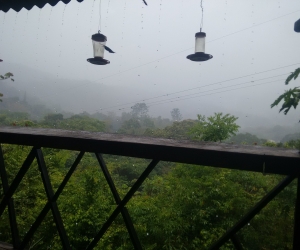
(168, 56)
(119, 107)
(217, 92)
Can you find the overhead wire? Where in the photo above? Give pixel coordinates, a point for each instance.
(182, 91)
(176, 53)
(224, 87)
(162, 58)
(217, 92)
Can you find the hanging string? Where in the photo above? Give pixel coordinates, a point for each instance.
(92, 16)
(201, 24)
(106, 18)
(99, 25)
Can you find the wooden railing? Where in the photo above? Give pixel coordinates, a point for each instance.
(249, 158)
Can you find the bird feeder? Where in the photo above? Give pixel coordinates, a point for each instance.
(99, 41)
(199, 49)
(297, 26)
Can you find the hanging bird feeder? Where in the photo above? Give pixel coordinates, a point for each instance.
(199, 55)
(297, 26)
(199, 49)
(99, 41)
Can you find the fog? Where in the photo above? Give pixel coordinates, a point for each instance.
(253, 44)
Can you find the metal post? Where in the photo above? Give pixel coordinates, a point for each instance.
(11, 208)
(47, 207)
(127, 197)
(15, 183)
(49, 192)
(128, 222)
(255, 210)
(235, 241)
(296, 243)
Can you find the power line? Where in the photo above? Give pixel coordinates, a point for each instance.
(177, 92)
(175, 98)
(162, 58)
(219, 92)
(254, 26)
(165, 57)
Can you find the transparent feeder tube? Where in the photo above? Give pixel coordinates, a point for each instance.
(200, 42)
(98, 48)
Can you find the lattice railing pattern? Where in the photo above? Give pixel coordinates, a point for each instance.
(269, 159)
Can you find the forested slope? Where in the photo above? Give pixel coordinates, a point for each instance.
(179, 206)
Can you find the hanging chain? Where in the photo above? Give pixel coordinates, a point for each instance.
(99, 25)
(201, 24)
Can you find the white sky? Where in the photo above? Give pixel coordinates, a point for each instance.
(151, 44)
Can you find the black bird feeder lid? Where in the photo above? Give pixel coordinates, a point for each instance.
(297, 26)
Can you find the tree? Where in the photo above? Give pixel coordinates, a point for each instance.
(6, 76)
(291, 97)
(178, 130)
(246, 138)
(53, 118)
(176, 115)
(131, 126)
(215, 128)
(139, 109)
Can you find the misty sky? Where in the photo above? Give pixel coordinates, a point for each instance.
(254, 38)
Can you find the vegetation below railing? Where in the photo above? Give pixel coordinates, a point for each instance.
(178, 207)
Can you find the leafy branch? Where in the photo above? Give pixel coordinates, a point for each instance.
(6, 76)
(291, 97)
(294, 75)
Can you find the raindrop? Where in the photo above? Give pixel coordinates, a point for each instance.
(3, 21)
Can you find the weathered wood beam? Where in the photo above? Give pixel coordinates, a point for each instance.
(242, 157)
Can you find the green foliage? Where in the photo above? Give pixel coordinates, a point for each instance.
(271, 143)
(187, 207)
(139, 109)
(75, 122)
(178, 130)
(246, 138)
(6, 76)
(192, 206)
(293, 144)
(176, 115)
(136, 126)
(131, 126)
(292, 76)
(291, 97)
(15, 119)
(53, 118)
(215, 128)
(179, 206)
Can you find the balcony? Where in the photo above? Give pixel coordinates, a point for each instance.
(248, 158)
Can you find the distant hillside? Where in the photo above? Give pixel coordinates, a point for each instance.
(289, 137)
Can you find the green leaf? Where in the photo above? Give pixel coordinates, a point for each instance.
(290, 99)
(215, 128)
(293, 75)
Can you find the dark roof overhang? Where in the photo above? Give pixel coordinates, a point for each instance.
(17, 5)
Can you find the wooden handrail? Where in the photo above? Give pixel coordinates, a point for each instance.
(243, 157)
